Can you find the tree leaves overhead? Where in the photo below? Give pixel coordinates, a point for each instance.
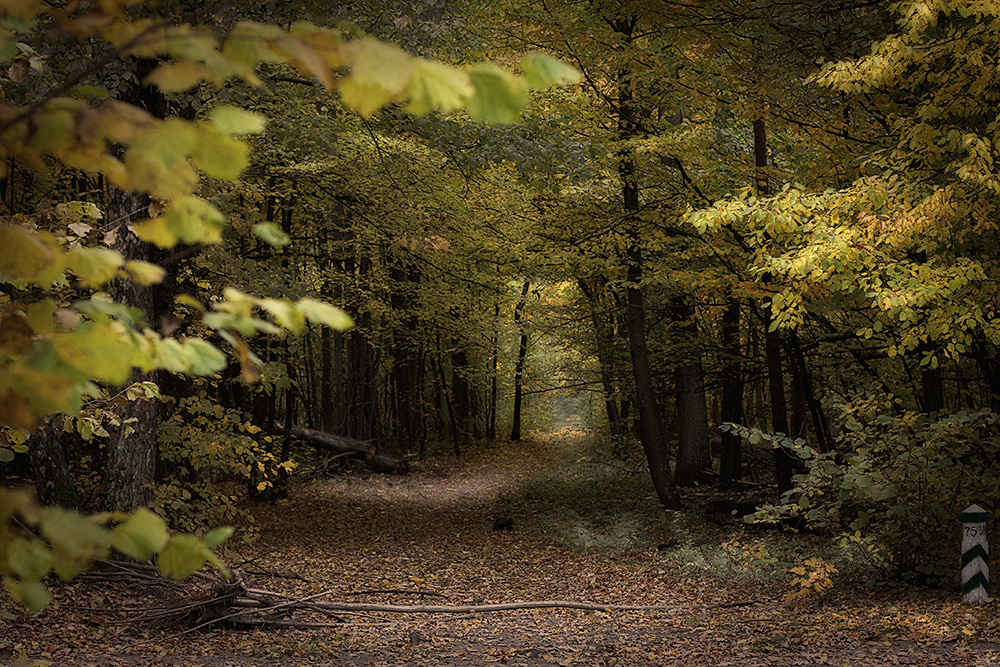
(168, 158)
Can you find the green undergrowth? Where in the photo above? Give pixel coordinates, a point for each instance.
(588, 502)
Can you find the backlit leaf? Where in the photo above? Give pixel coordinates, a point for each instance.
(142, 536)
(499, 95)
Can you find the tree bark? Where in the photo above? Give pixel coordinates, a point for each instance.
(53, 484)
(130, 471)
(522, 352)
(772, 339)
(693, 456)
(654, 441)
(604, 341)
(731, 456)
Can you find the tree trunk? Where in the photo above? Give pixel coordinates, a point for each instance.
(604, 340)
(654, 440)
(461, 396)
(821, 427)
(693, 455)
(53, 484)
(130, 471)
(491, 405)
(772, 339)
(931, 382)
(522, 352)
(731, 456)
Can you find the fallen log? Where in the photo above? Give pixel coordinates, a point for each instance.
(337, 443)
(357, 449)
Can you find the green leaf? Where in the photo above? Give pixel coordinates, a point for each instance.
(499, 95)
(542, 71)
(318, 312)
(231, 120)
(271, 233)
(177, 77)
(32, 595)
(216, 537)
(29, 559)
(142, 536)
(203, 357)
(40, 316)
(145, 273)
(23, 254)
(285, 314)
(183, 556)
(76, 539)
(380, 73)
(187, 219)
(220, 156)
(437, 86)
(97, 351)
(94, 266)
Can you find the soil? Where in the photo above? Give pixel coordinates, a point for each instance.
(429, 538)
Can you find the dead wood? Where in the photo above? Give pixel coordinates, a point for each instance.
(233, 603)
(343, 446)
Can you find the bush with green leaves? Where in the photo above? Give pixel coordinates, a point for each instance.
(213, 454)
(896, 488)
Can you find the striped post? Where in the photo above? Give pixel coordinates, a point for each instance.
(975, 556)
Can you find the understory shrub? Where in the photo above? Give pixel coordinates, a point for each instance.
(212, 457)
(896, 486)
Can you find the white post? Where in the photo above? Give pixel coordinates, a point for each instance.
(975, 556)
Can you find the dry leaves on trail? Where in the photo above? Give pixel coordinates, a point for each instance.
(429, 539)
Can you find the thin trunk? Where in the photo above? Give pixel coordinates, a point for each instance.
(460, 394)
(693, 456)
(654, 440)
(604, 341)
(326, 381)
(932, 384)
(821, 426)
(731, 456)
(772, 339)
(447, 401)
(281, 483)
(491, 420)
(522, 352)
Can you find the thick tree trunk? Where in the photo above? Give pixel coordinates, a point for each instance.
(53, 484)
(731, 456)
(693, 455)
(131, 448)
(522, 352)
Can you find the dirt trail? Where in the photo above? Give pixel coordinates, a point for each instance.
(429, 538)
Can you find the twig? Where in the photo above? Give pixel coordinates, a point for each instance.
(396, 591)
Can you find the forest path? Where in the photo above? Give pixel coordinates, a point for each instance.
(429, 539)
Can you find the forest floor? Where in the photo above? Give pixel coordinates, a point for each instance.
(428, 538)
